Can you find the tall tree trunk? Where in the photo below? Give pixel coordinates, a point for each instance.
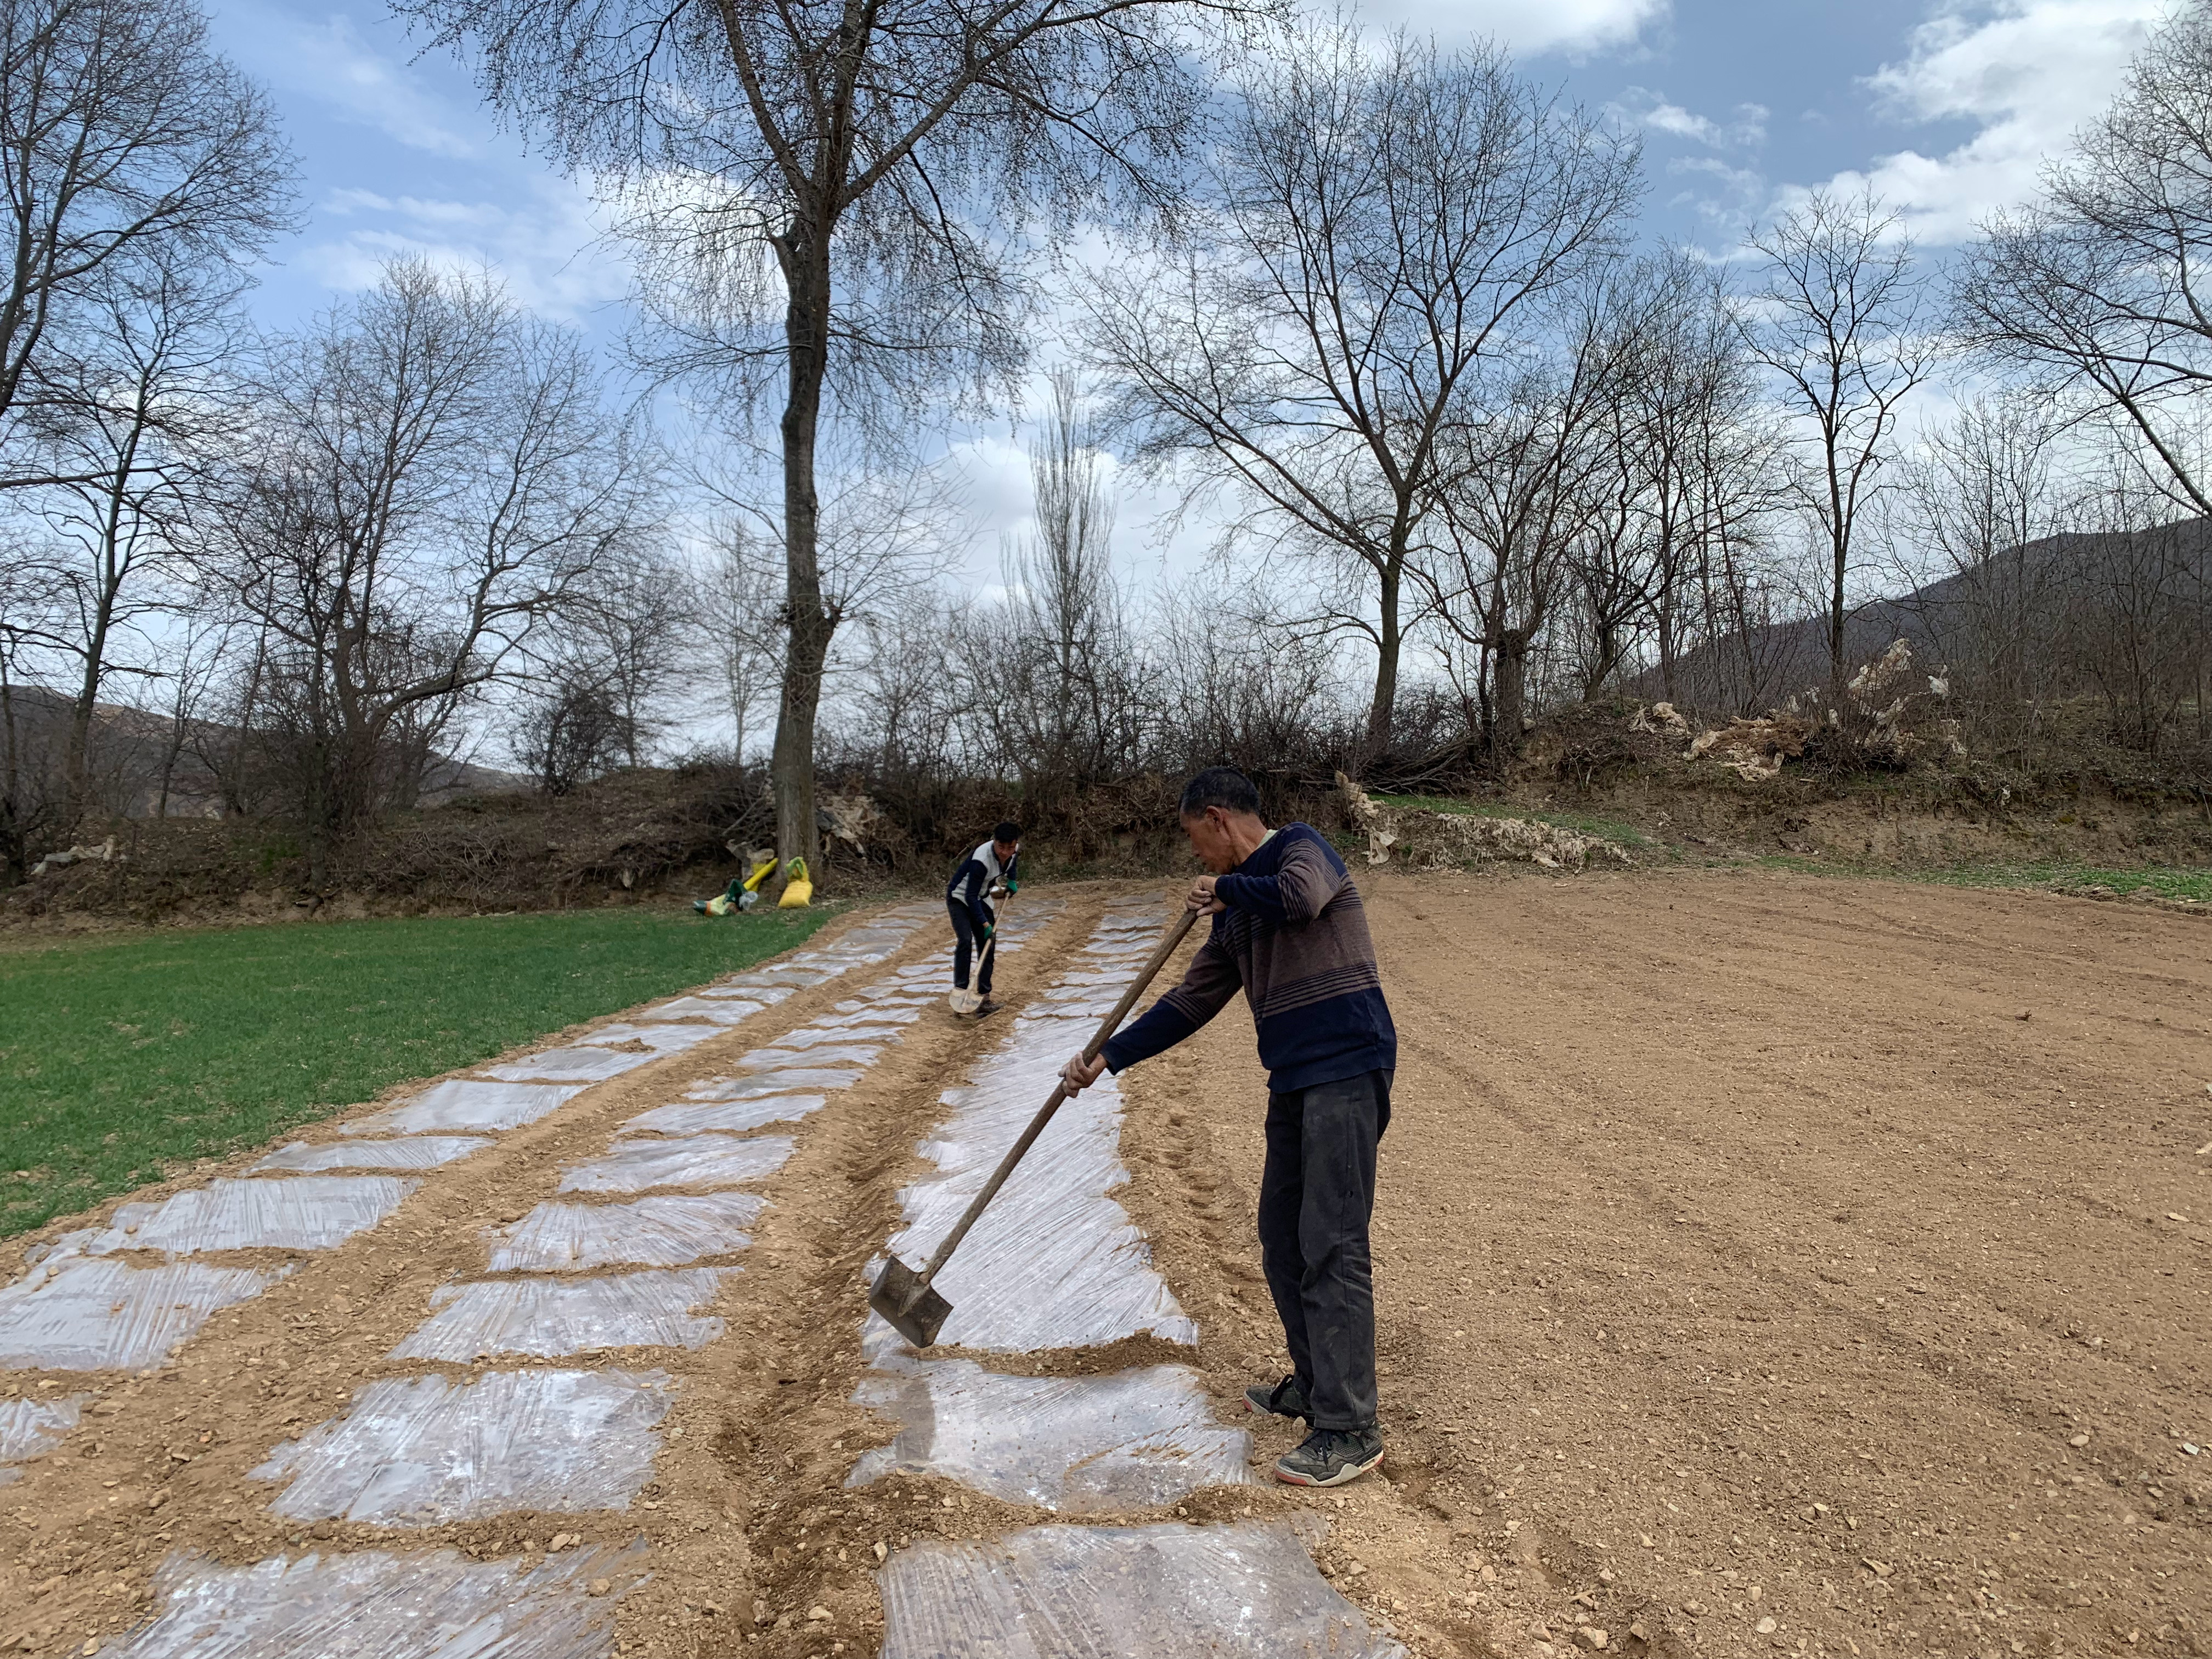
(1512, 677)
(1387, 642)
(806, 331)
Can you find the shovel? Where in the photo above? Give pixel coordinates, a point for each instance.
(906, 1298)
(964, 998)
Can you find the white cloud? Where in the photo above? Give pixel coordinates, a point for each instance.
(1528, 26)
(545, 244)
(2028, 73)
(1641, 106)
(328, 60)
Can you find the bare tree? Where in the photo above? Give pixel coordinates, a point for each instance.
(438, 476)
(149, 387)
(2097, 292)
(845, 168)
(126, 142)
(1383, 223)
(1838, 319)
(738, 598)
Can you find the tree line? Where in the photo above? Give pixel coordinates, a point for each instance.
(1373, 311)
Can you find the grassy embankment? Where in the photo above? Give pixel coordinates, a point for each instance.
(122, 1058)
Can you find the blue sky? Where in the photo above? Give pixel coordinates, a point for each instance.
(1947, 108)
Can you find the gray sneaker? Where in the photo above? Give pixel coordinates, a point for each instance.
(1330, 1457)
(1285, 1399)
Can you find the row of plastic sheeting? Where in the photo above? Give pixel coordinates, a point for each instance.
(735, 1117)
(409, 1152)
(80, 1316)
(376, 1604)
(31, 1428)
(425, 1451)
(305, 1212)
(1247, 1590)
(1054, 1262)
(551, 1318)
(465, 1106)
(670, 1232)
(639, 1165)
(1134, 1439)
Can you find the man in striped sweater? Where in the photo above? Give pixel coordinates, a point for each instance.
(1289, 930)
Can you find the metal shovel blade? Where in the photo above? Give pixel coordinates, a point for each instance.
(912, 1309)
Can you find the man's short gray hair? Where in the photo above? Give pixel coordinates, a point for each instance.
(1219, 786)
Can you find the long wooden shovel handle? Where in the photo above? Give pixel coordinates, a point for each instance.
(1106, 1030)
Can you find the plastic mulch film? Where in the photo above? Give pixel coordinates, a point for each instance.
(796, 1080)
(102, 1315)
(410, 1153)
(1054, 1262)
(727, 1116)
(305, 1212)
(717, 1010)
(465, 1104)
(547, 1318)
(1247, 1590)
(822, 1035)
(582, 1064)
(375, 1604)
(422, 1451)
(32, 1428)
(661, 1039)
(1132, 1440)
(639, 1166)
(822, 1054)
(760, 995)
(886, 1019)
(647, 1232)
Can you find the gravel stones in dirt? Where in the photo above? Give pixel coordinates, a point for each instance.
(549, 1319)
(639, 1164)
(410, 1152)
(422, 1452)
(651, 1232)
(304, 1213)
(464, 1104)
(1241, 1591)
(101, 1316)
(375, 1605)
(1136, 1439)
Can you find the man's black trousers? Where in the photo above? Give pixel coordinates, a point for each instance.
(1316, 1194)
(967, 938)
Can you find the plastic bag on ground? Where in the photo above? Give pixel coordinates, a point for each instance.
(1243, 1591)
(375, 1604)
(728, 1116)
(305, 1212)
(465, 1103)
(649, 1232)
(102, 1315)
(1133, 1440)
(548, 1318)
(422, 1451)
(409, 1152)
(641, 1164)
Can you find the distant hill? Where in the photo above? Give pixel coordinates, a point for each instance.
(147, 767)
(1774, 662)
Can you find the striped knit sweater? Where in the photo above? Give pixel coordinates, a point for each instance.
(1294, 936)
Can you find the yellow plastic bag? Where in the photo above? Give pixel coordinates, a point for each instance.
(799, 892)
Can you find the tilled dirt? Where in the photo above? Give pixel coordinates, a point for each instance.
(1743, 1256)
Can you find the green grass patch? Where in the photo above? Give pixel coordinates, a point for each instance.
(1616, 830)
(120, 1059)
(2163, 881)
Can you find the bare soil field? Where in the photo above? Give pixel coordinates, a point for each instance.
(1764, 1264)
